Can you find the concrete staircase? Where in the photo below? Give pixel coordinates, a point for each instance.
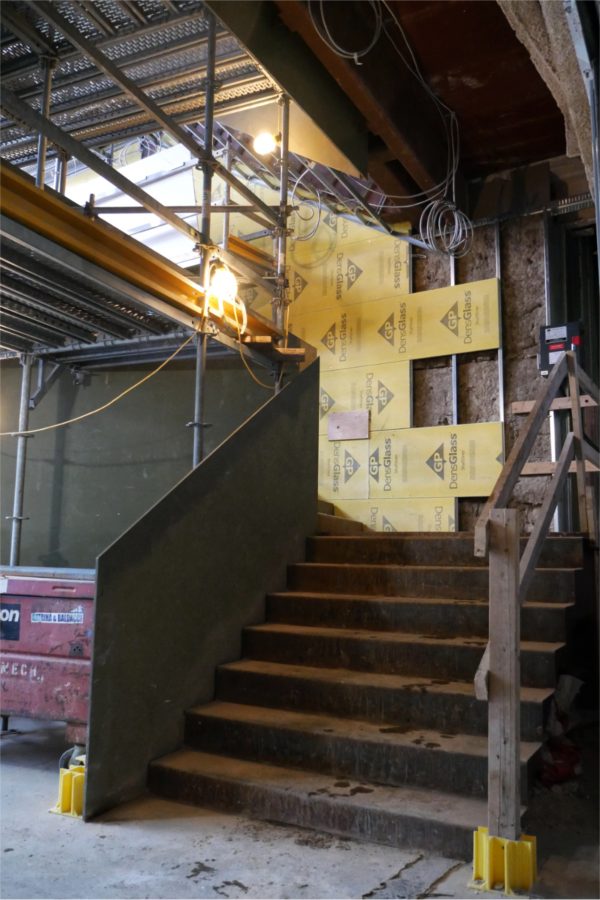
(353, 709)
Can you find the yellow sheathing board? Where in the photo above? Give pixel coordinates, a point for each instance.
(343, 469)
(448, 460)
(383, 390)
(431, 514)
(457, 319)
(335, 275)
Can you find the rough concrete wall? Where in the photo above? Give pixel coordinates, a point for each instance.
(523, 311)
(86, 483)
(543, 29)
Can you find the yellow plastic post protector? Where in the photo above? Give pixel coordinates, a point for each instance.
(70, 792)
(503, 865)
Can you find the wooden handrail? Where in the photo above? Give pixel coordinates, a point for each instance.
(497, 678)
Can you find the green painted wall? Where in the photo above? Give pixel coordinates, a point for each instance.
(86, 483)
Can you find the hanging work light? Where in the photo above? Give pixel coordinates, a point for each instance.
(221, 295)
(265, 143)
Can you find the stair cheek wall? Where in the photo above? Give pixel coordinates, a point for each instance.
(353, 709)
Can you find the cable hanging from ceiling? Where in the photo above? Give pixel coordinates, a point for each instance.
(443, 227)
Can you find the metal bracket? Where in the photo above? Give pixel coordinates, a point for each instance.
(198, 424)
(18, 518)
(45, 380)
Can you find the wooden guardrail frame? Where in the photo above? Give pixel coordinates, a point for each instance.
(497, 531)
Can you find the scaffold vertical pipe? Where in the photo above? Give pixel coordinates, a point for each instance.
(284, 113)
(207, 172)
(47, 67)
(17, 514)
(227, 195)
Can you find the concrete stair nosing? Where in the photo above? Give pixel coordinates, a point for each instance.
(416, 701)
(409, 817)
(438, 616)
(392, 754)
(400, 653)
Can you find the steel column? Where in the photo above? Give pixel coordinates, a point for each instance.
(17, 514)
(47, 67)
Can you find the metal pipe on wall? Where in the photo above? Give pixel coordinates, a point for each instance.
(17, 514)
(500, 347)
(47, 67)
(454, 357)
(207, 173)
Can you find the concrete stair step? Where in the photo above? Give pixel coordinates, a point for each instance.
(365, 751)
(450, 582)
(396, 816)
(416, 702)
(454, 659)
(328, 524)
(420, 615)
(564, 551)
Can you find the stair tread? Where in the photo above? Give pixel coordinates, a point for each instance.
(419, 803)
(352, 729)
(374, 679)
(399, 637)
(412, 567)
(386, 598)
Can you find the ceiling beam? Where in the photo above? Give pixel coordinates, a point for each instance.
(393, 104)
(287, 59)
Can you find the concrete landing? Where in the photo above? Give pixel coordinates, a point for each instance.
(157, 848)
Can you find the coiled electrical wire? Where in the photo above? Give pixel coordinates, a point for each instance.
(445, 229)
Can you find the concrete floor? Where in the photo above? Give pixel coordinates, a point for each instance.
(155, 848)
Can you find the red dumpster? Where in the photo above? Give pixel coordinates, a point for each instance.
(46, 624)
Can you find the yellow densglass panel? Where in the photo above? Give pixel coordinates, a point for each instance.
(383, 390)
(325, 273)
(343, 469)
(457, 319)
(447, 460)
(425, 514)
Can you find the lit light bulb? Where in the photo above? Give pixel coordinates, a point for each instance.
(264, 143)
(223, 284)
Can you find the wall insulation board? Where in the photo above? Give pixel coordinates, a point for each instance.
(443, 461)
(457, 319)
(428, 514)
(385, 391)
(343, 469)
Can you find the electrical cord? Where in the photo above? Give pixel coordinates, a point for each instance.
(328, 39)
(104, 406)
(267, 387)
(442, 226)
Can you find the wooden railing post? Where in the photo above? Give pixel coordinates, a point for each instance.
(504, 730)
(577, 421)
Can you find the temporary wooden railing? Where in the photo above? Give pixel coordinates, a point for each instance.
(497, 532)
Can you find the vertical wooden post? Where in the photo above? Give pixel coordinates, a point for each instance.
(504, 729)
(584, 525)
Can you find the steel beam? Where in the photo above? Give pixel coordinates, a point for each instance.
(48, 214)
